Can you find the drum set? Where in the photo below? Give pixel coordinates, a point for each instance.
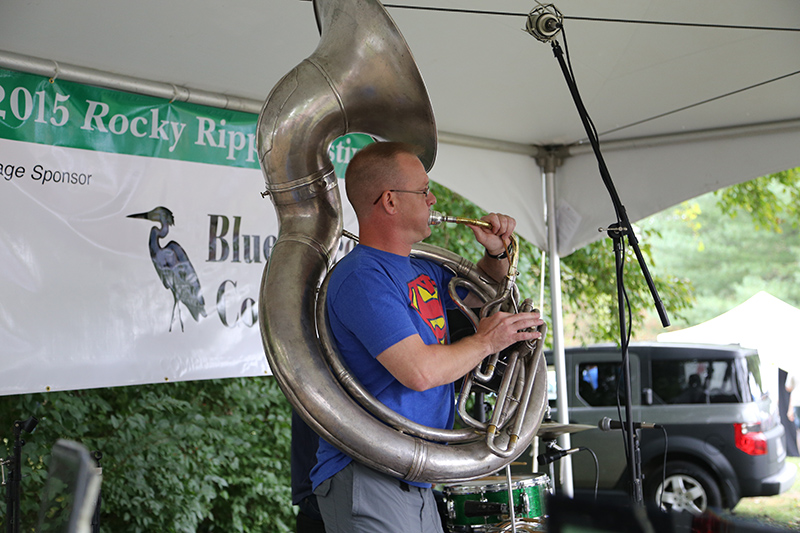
(487, 504)
(504, 503)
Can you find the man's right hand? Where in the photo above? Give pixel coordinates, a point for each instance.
(420, 366)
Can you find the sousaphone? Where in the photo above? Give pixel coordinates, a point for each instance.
(361, 78)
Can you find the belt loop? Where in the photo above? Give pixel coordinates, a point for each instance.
(404, 486)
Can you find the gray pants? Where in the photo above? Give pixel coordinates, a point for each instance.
(361, 500)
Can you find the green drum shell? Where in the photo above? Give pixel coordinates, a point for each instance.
(495, 490)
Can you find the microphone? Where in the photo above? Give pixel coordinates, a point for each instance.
(606, 424)
(543, 24)
(555, 454)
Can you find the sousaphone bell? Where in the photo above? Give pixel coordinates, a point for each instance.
(361, 78)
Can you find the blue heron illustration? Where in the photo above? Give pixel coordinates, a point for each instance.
(173, 266)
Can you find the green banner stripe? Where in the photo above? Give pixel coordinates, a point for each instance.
(62, 113)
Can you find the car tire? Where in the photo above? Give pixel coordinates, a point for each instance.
(689, 488)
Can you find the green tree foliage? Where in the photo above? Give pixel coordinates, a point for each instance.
(588, 276)
(771, 201)
(590, 291)
(733, 243)
(198, 456)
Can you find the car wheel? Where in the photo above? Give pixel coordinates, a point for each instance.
(687, 487)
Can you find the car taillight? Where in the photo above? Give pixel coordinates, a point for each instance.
(750, 439)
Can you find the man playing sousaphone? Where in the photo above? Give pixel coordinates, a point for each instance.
(387, 317)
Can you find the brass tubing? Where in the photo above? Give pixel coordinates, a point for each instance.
(437, 218)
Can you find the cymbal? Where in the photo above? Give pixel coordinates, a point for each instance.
(552, 430)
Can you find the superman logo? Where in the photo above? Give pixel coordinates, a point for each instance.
(423, 296)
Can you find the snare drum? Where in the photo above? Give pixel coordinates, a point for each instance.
(482, 504)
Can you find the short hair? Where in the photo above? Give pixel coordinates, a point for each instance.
(373, 170)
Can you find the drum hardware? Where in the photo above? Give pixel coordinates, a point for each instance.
(484, 508)
(523, 524)
(554, 452)
(548, 432)
(511, 513)
(552, 430)
(498, 503)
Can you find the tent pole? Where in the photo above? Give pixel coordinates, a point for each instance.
(118, 82)
(548, 164)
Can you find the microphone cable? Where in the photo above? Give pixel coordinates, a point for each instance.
(557, 453)
(596, 471)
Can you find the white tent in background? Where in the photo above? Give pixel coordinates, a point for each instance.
(763, 322)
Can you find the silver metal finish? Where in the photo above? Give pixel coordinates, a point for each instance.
(361, 78)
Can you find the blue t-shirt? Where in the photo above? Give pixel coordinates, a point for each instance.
(375, 300)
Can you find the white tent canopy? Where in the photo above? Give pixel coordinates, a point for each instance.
(493, 87)
(763, 322)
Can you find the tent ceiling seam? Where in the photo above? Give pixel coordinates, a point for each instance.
(702, 102)
(684, 137)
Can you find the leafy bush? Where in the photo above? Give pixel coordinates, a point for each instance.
(197, 456)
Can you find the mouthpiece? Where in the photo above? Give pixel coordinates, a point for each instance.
(436, 218)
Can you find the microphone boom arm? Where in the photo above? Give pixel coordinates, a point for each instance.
(617, 231)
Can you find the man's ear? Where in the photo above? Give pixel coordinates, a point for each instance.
(388, 202)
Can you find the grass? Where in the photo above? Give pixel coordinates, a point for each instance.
(781, 511)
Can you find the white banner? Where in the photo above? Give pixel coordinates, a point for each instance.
(92, 296)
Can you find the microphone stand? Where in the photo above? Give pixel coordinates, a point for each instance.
(96, 516)
(15, 474)
(12, 487)
(617, 232)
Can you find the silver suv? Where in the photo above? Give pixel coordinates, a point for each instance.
(724, 439)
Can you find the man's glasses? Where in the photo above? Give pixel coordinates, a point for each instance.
(424, 192)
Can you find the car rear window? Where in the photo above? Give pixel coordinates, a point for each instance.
(597, 383)
(705, 381)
